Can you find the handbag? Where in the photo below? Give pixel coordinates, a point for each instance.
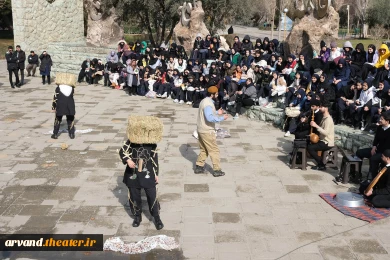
(292, 111)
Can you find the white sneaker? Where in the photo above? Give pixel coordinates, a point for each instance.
(236, 116)
(165, 95)
(287, 134)
(176, 101)
(181, 102)
(158, 95)
(169, 97)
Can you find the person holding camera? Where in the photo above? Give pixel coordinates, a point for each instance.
(45, 67)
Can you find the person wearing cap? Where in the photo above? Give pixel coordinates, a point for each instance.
(33, 63)
(12, 67)
(379, 195)
(207, 117)
(380, 144)
(326, 135)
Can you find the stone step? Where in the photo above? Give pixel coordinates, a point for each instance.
(346, 137)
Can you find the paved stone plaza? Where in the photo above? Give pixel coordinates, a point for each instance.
(260, 210)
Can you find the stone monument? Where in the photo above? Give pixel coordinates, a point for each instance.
(191, 23)
(314, 20)
(57, 26)
(102, 29)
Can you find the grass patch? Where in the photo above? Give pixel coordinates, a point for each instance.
(4, 43)
(354, 42)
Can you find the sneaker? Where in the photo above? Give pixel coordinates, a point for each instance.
(181, 102)
(218, 173)
(169, 97)
(159, 95)
(287, 134)
(198, 169)
(165, 95)
(236, 116)
(176, 101)
(189, 103)
(362, 126)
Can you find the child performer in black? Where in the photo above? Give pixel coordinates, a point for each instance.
(139, 154)
(63, 103)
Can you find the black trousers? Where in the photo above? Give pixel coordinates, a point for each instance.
(312, 149)
(246, 102)
(48, 79)
(21, 75)
(136, 201)
(375, 160)
(15, 72)
(381, 201)
(69, 120)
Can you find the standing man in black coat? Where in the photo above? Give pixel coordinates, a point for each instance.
(12, 66)
(21, 59)
(63, 103)
(33, 63)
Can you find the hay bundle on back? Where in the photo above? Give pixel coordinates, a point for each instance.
(66, 79)
(144, 129)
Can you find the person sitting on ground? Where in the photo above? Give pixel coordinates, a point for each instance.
(380, 144)
(379, 196)
(372, 59)
(326, 135)
(245, 97)
(341, 75)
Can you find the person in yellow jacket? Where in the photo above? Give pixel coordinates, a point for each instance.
(383, 64)
(384, 54)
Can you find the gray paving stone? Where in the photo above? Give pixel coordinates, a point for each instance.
(196, 188)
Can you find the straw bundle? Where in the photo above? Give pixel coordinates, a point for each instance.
(144, 129)
(66, 79)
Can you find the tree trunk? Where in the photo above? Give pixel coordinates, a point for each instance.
(365, 30)
(171, 30)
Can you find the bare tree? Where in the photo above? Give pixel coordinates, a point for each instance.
(378, 32)
(361, 7)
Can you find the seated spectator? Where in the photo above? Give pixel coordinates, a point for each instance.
(342, 74)
(372, 59)
(380, 144)
(84, 72)
(345, 96)
(347, 51)
(237, 45)
(359, 110)
(198, 45)
(289, 68)
(122, 45)
(357, 61)
(246, 44)
(235, 57)
(298, 102)
(112, 57)
(99, 71)
(33, 63)
(247, 59)
(245, 97)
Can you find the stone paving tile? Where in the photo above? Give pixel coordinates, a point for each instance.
(259, 210)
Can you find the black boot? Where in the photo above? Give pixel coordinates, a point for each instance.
(48, 80)
(134, 90)
(71, 129)
(137, 220)
(54, 136)
(341, 117)
(158, 223)
(43, 80)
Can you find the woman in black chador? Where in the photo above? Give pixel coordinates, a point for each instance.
(63, 103)
(139, 154)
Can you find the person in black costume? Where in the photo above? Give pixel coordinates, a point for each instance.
(142, 167)
(380, 194)
(63, 103)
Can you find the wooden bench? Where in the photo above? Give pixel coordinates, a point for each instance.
(346, 163)
(294, 163)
